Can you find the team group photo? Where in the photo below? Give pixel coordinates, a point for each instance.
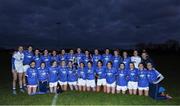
(58, 71)
(89, 52)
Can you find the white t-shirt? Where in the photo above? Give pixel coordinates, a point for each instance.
(19, 57)
(136, 60)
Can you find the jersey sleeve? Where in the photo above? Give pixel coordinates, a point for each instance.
(157, 73)
(27, 72)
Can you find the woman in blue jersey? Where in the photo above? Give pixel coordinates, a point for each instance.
(54, 56)
(46, 58)
(132, 79)
(82, 77)
(116, 59)
(28, 57)
(86, 57)
(153, 75)
(90, 77)
(63, 73)
(32, 78)
(53, 76)
(72, 76)
(121, 80)
(106, 57)
(126, 60)
(63, 56)
(101, 76)
(43, 77)
(110, 78)
(96, 57)
(143, 82)
(79, 56)
(71, 56)
(37, 58)
(155, 78)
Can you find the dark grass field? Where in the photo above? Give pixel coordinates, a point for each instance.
(168, 65)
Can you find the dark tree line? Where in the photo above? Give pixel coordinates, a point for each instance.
(170, 46)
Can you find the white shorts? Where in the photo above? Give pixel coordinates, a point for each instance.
(62, 83)
(19, 68)
(72, 83)
(25, 67)
(32, 86)
(101, 82)
(90, 83)
(132, 85)
(52, 84)
(123, 88)
(81, 82)
(143, 88)
(111, 85)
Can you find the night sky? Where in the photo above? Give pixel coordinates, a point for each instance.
(88, 23)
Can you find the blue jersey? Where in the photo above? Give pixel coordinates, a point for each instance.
(37, 59)
(63, 73)
(101, 72)
(79, 57)
(72, 75)
(121, 79)
(82, 73)
(55, 58)
(111, 75)
(32, 77)
(116, 61)
(43, 74)
(142, 78)
(96, 58)
(53, 74)
(152, 75)
(46, 59)
(106, 58)
(126, 61)
(90, 73)
(28, 57)
(63, 57)
(71, 57)
(86, 59)
(133, 75)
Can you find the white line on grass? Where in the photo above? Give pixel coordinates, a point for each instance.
(54, 100)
